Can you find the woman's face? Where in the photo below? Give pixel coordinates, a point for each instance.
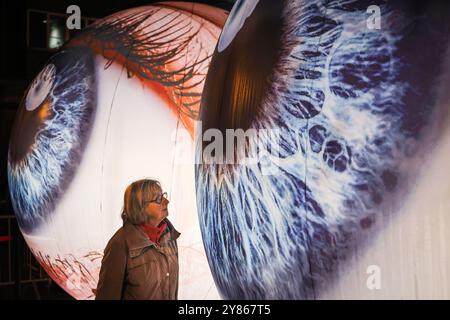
(157, 211)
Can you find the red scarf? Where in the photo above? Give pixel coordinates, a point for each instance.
(154, 233)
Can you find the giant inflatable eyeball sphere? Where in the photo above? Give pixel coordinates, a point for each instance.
(106, 110)
(344, 108)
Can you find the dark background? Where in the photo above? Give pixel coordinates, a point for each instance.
(24, 39)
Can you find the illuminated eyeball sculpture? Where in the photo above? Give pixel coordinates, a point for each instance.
(342, 108)
(106, 110)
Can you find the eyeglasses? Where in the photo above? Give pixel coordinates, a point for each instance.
(158, 199)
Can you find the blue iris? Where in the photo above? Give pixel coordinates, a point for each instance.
(39, 174)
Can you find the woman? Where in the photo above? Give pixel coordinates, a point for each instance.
(141, 259)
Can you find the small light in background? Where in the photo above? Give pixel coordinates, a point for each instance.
(56, 38)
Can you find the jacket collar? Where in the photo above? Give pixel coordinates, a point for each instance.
(137, 239)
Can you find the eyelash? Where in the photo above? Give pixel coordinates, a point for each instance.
(116, 35)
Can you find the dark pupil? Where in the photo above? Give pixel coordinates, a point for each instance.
(238, 66)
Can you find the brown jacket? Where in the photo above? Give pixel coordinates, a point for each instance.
(134, 267)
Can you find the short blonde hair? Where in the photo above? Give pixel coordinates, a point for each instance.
(133, 200)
